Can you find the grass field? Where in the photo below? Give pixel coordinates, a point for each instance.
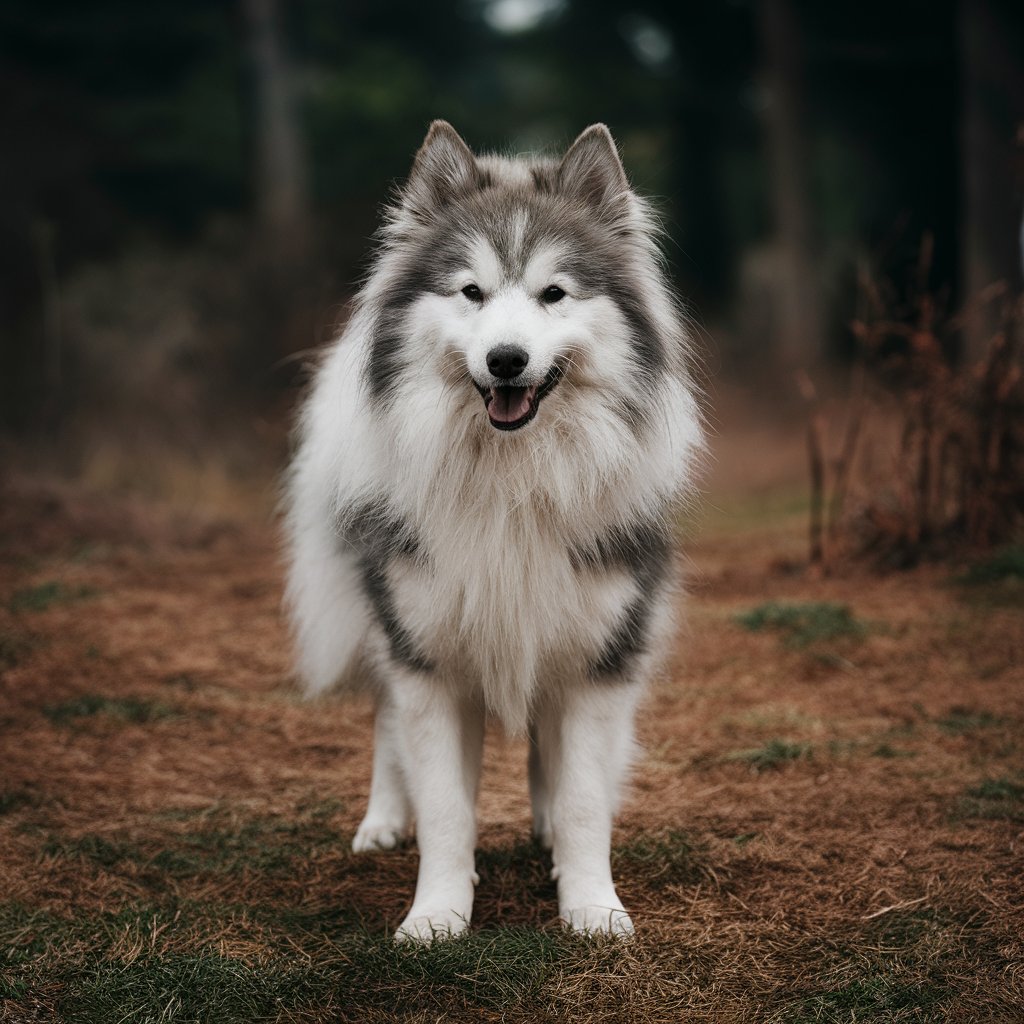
(827, 823)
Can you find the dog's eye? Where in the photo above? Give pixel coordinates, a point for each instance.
(473, 293)
(552, 293)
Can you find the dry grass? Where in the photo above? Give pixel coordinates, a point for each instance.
(951, 476)
(828, 831)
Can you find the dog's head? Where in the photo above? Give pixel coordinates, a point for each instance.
(520, 289)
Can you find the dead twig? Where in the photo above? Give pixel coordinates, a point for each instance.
(815, 449)
(902, 905)
(956, 479)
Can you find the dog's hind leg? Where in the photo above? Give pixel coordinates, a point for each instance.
(441, 743)
(389, 811)
(540, 789)
(588, 743)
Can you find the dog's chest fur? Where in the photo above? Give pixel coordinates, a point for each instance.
(499, 591)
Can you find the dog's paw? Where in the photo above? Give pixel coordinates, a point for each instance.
(377, 836)
(424, 929)
(595, 920)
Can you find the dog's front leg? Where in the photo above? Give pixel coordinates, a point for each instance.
(588, 747)
(442, 738)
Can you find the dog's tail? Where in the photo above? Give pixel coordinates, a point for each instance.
(327, 609)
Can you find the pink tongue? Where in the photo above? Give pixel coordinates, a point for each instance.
(510, 404)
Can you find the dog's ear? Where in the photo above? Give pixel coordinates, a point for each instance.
(591, 170)
(444, 167)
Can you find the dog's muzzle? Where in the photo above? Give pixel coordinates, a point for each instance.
(510, 406)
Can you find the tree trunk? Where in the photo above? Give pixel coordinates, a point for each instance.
(283, 259)
(800, 340)
(992, 113)
(281, 182)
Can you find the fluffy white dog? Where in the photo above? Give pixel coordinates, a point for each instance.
(481, 507)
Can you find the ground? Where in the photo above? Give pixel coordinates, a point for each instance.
(826, 824)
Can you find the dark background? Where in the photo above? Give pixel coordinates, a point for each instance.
(189, 188)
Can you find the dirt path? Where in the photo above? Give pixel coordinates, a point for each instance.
(826, 824)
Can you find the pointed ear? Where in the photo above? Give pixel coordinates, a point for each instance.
(444, 166)
(591, 170)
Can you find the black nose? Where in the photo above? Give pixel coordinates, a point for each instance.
(507, 361)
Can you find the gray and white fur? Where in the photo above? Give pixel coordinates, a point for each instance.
(481, 506)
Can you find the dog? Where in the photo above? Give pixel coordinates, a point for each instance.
(481, 506)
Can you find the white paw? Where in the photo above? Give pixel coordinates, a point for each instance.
(595, 920)
(377, 836)
(430, 927)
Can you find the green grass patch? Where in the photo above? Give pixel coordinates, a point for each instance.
(993, 799)
(1007, 564)
(494, 968)
(11, 988)
(13, 648)
(181, 988)
(888, 751)
(183, 960)
(13, 800)
(773, 754)
(89, 968)
(902, 974)
(671, 857)
(183, 681)
(803, 624)
(45, 595)
(884, 996)
(997, 581)
(222, 845)
(136, 710)
(757, 512)
(267, 847)
(744, 838)
(961, 720)
(97, 849)
(488, 970)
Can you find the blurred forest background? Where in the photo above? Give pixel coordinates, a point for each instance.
(827, 825)
(189, 188)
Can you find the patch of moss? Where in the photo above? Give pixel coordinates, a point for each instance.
(125, 709)
(887, 751)
(1007, 564)
(13, 648)
(999, 799)
(772, 755)
(45, 595)
(961, 720)
(803, 624)
(13, 799)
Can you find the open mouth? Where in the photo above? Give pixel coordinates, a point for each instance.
(510, 407)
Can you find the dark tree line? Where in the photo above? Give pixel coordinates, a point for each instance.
(784, 141)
